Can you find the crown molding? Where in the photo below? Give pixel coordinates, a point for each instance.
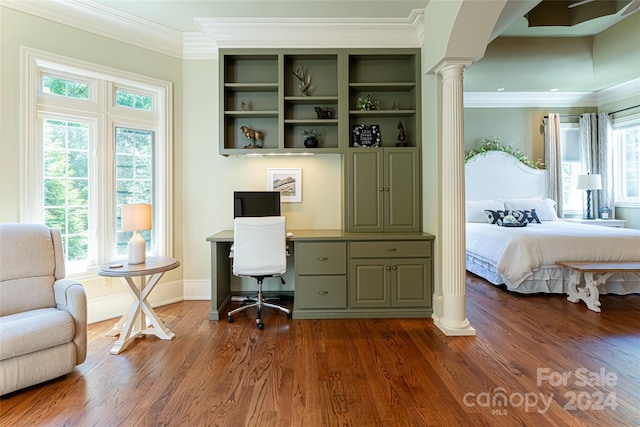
(215, 33)
(308, 33)
(104, 21)
(620, 92)
(529, 99)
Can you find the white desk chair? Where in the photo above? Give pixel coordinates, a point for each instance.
(259, 251)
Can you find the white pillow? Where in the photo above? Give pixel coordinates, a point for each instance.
(474, 209)
(545, 208)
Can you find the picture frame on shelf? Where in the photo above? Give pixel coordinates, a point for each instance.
(288, 181)
(366, 136)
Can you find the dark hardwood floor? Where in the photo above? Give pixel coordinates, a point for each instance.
(366, 372)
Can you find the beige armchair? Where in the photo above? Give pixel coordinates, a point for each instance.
(43, 316)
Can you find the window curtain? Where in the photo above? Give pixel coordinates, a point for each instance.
(553, 160)
(596, 145)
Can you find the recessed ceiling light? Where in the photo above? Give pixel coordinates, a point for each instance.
(500, 89)
(554, 90)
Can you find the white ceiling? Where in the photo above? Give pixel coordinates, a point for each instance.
(570, 73)
(180, 14)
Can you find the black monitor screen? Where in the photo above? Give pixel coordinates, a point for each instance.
(256, 203)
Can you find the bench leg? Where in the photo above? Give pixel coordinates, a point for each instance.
(574, 280)
(591, 294)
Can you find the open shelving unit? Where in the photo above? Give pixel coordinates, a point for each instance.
(260, 91)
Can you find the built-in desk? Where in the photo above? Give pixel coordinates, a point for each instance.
(344, 275)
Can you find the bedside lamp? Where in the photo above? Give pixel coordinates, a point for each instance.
(136, 217)
(589, 182)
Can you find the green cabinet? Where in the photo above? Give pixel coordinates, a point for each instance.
(276, 93)
(383, 189)
(400, 278)
(321, 281)
(391, 80)
(342, 275)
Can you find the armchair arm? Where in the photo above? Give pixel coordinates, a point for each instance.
(71, 297)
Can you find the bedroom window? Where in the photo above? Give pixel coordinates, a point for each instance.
(627, 160)
(571, 168)
(88, 147)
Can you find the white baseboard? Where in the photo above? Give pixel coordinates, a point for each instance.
(114, 306)
(197, 289)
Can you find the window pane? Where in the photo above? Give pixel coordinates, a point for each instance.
(66, 184)
(133, 100)
(628, 140)
(134, 177)
(571, 168)
(64, 87)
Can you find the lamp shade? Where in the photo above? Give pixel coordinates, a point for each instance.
(136, 217)
(589, 182)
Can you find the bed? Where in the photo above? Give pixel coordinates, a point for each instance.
(523, 258)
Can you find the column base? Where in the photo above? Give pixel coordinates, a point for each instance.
(453, 321)
(463, 330)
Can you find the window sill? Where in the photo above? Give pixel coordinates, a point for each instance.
(627, 204)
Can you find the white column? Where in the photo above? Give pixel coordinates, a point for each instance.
(453, 320)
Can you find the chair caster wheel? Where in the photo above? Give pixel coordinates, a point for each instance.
(230, 319)
(289, 315)
(260, 325)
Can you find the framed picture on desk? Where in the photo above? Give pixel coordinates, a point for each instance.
(287, 181)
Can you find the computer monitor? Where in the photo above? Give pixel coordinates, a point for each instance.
(256, 203)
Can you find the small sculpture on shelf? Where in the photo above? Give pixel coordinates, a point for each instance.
(367, 104)
(243, 105)
(255, 137)
(326, 113)
(304, 80)
(401, 136)
(310, 138)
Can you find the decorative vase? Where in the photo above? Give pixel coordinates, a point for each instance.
(311, 142)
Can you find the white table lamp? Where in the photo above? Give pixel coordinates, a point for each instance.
(589, 182)
(136, 217)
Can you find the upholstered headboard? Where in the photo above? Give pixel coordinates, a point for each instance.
(498, 175)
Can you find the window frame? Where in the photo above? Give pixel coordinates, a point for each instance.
(632, 120)
(101, 110)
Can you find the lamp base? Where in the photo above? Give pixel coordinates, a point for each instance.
(589, 205)
(137, 249)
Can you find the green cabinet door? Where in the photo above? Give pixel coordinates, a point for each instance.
(365, 203)
(383, 193)
(410, 282)
(369, 283)
(402, 189)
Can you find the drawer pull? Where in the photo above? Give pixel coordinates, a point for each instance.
(323, 258)
(387, 267)
(392, 249)
(394, 267)
(323, 292)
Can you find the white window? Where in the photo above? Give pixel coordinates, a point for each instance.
(93, 140)
(571, 168)
(627, 160)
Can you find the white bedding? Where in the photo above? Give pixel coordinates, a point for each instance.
(515, 254)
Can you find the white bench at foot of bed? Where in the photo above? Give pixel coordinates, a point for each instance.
(589, 293)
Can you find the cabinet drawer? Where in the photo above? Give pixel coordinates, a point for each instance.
(321, 292)
(321, 257)
(391, 248)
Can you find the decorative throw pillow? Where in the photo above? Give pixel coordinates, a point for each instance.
(474, 209)
(526, 215)
(494, 216)
(545, 208)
